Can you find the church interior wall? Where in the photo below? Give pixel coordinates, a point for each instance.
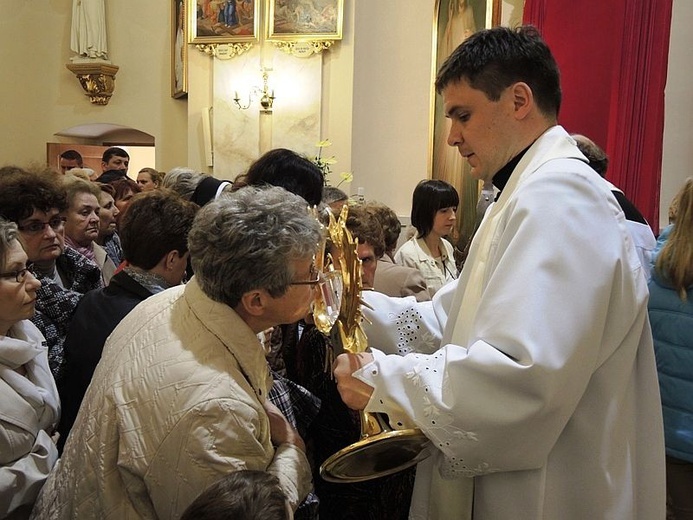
(375, 83)
(677, 156)
(41, 97)
(392, 93)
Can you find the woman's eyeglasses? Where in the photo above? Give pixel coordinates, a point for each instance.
(36, 226)
(19, 276)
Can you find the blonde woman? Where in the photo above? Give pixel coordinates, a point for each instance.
(149, 179)
(671, 313)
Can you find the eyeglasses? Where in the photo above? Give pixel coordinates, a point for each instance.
(36, 226)
(19, 276)
(315, 277)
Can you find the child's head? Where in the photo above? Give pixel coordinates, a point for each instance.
(241, 495)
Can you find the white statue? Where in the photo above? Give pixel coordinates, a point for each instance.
(178, 57)
(88, 38)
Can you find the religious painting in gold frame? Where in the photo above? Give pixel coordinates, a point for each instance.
(179, 50)
(223, 21)
(455, 20)
(298, 20)
(509, 14)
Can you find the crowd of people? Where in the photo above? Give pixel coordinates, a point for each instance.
(159, 358)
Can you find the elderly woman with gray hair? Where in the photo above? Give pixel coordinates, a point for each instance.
(194, 186)
(179, 398)
(29, 408)
(82, 225)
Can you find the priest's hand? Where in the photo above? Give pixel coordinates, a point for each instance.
(354, 392)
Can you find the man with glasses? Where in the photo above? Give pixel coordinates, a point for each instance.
(34, 200)
(179, 398)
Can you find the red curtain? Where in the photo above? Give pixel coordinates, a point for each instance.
(613, 59)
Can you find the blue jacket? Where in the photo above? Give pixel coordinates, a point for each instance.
(672, 330)
(661, 242)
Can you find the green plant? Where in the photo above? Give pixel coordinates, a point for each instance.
(325, 164)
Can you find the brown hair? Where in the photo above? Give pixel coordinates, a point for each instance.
(155, 175)
(389, 221)
(241, 495)
(121, 187)
(22, 191)
(74, 184)
(106, 188)
(155, 223)
(366, 228)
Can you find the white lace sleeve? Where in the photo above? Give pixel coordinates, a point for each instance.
(401, 325)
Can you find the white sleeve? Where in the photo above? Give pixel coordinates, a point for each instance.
(403, 325)
(538, 335)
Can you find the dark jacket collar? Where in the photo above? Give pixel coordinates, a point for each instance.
(123, 282)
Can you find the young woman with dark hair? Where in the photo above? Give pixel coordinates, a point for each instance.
(434, 205)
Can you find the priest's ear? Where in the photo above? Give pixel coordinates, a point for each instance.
(523, 99)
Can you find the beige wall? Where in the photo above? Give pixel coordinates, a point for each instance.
(392, 97)
(41, 97)
(677, 160)
(376, 90)
(338, 96)
(199, 101)
(336, 105)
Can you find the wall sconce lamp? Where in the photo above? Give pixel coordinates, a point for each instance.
(265, 94)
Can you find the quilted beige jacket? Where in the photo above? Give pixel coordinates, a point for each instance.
(175, 404)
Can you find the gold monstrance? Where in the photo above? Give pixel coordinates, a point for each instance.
(381, 450)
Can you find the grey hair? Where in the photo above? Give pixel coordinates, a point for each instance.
(8, 234)
(183, 181)
(248, 240)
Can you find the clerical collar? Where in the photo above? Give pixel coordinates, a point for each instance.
(500, 179)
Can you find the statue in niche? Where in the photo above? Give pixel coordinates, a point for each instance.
(88, 36)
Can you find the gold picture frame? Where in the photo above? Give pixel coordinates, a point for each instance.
(179, 50)
(298, 20)
(223, 21)
(455, 20)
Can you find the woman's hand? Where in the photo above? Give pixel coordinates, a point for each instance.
(281, 430)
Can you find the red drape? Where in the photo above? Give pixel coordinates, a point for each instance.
(613, 58)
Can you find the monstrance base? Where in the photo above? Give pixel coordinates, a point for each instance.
(376, 456)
